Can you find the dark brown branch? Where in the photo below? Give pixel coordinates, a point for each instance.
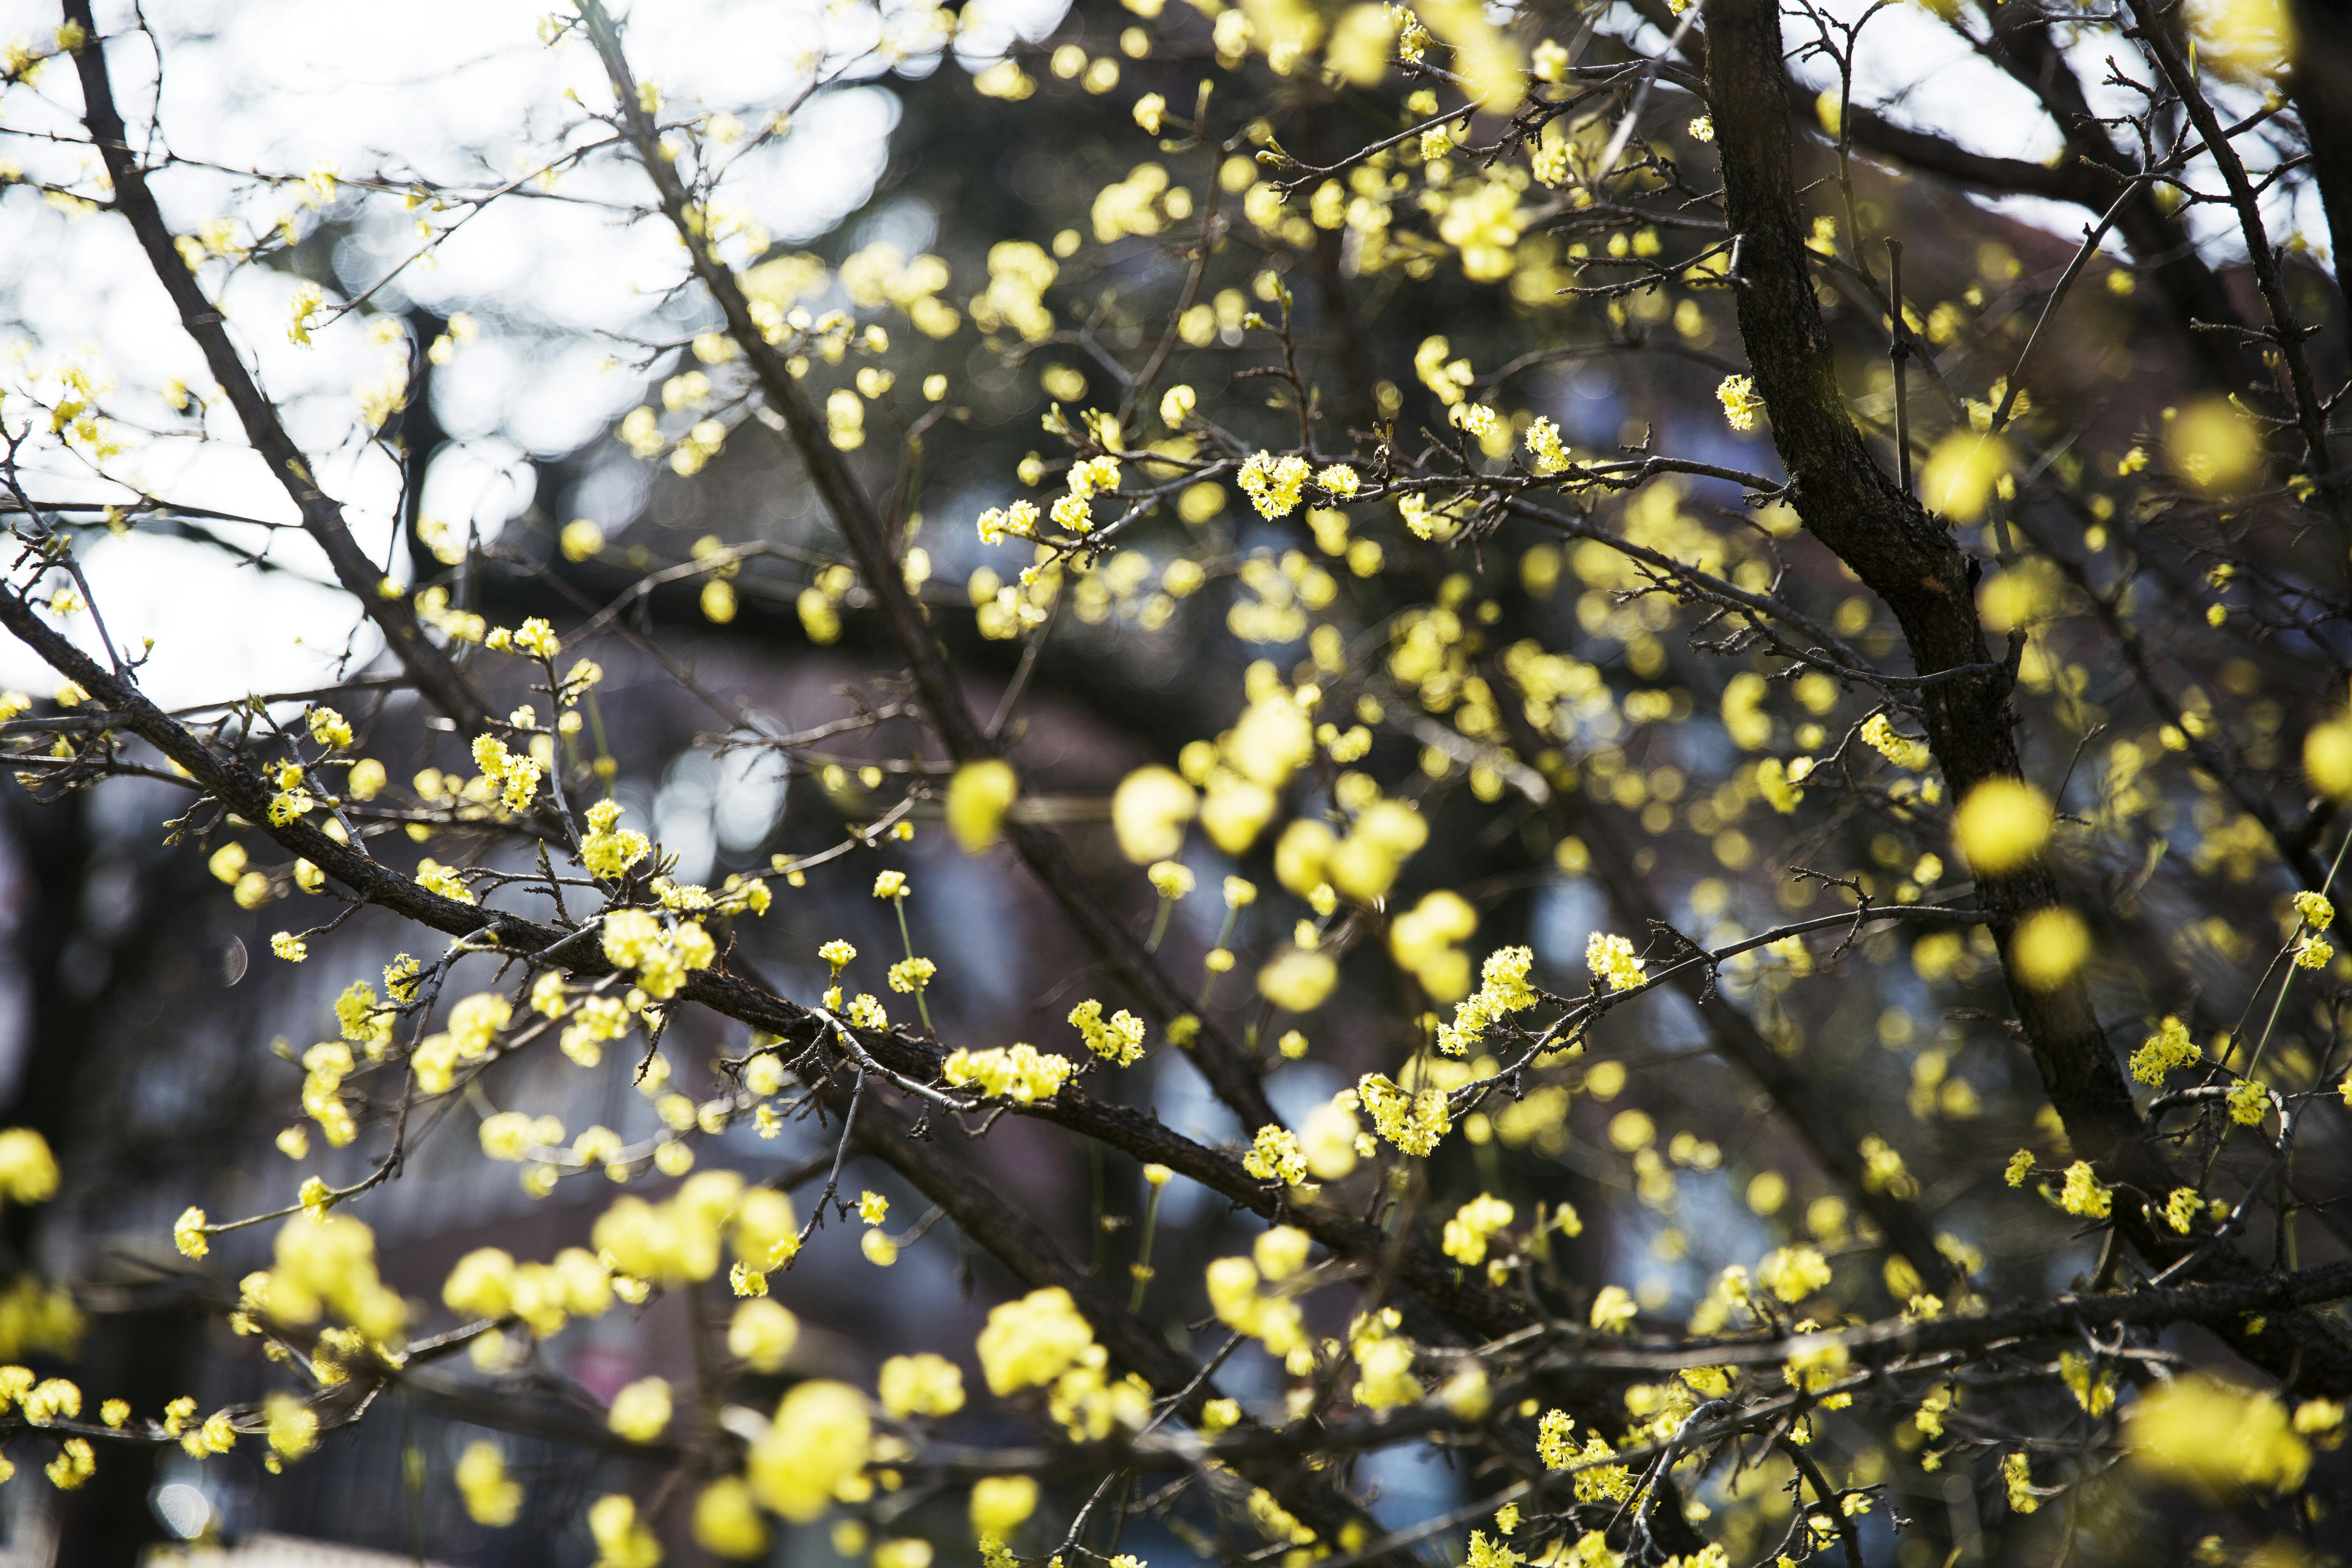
(323, 518)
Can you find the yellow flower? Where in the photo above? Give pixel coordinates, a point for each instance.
(28, 1172)
(761, 1335)
(641, 1410)
(1610, 957)
(2202, 1431)
(1273, 484)
(999, 1504)
(2165, 1051)
(819, 1439)
(2082, 1195)
(1275, 1155)
(1298, 981)
(2048, 947)
(2001, 826)
(1030, 1342)
(1613, 1310)
(977, 797)
(1962, 474)
(1901, 749)
(1147, 813)
(1742, 404)
(2327, 759)
(922, 1385)
(1118, 1041)
(726, 1522)
(622, 1540)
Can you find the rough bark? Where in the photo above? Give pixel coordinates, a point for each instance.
(1914, 564)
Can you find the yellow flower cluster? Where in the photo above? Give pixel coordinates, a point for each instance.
(595, 1020)
(661, 956)
(1614, 1309)
(322, 1263)
(474, 1026)
(1118, 1041)
(324, 1066)
(1503, 990)
(2164, 1051)
(1018, 1072)
(2002, 825)
(1793, 1273)
(1274, 1320)
(436, 877)
(1364, 865)
(1556, 1446)
(329, 727)
(1551, 453)
(923, 1384)
(1018, 520)
(1901, 749)
(1610, 957)
(1414, 1123)
(361, 1022)
(1030, 1342)
(1467, 1232)
(1741, 403)
(489, 1283)
(2093, 1386)
(2082, 1195)
(1422, 941)
(1449, 379)
(623, 1539)
(762, 1333)
(28, 1172)
(812, 1451)
(608, 850)
(491, 1496)
(674, 1242)
(640, 1410)
(1041, 1341)
(517, 776)
(1385, 1361)
(2181, 1209)
(1273, 484)
(2200, 1431)
(1275, 1155)
(511, 1134)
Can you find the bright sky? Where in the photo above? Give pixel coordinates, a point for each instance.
(463, 93)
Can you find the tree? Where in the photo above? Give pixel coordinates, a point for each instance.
(1797, 567)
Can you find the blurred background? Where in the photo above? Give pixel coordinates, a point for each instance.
(147, 1033)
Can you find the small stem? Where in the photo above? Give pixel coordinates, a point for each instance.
(900, 904)
(1225, 935)
(1159, 924)
(1142, 1265)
